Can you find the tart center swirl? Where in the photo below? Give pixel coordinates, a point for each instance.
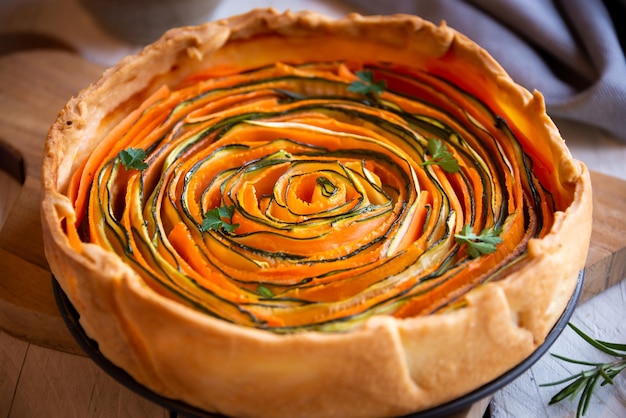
(280, 198)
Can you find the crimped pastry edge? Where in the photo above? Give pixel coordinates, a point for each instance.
(387, 367)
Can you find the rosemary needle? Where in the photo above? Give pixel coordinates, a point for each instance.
(585, 382)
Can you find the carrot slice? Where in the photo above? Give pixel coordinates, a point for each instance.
(327, 213)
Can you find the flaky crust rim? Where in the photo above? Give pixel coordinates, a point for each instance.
(388, 367)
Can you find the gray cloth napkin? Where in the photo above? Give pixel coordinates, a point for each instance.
(572, 51)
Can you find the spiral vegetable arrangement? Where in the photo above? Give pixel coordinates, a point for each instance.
(312, 196)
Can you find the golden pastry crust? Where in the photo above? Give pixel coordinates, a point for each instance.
(387, 366)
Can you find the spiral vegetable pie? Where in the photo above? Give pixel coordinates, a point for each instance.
(285, 215)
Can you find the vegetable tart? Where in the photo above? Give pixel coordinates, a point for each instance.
(284, 214)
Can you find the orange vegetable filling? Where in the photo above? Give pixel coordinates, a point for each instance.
(335, 215)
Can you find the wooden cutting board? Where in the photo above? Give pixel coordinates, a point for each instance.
(34, 86)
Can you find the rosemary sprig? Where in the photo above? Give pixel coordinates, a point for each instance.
(585, 382)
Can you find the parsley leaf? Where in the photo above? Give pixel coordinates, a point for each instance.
(214, 219)
(477, 245)
(264, 291)
(134, 158)
(366, 84)
(441, 156)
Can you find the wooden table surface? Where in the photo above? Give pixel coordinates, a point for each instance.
(37, 381)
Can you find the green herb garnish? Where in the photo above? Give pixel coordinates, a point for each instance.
(134, 158)
(477, 245)
(366, 83)
(585, 382)
(264, 291)
(219, 218)
(440, 156)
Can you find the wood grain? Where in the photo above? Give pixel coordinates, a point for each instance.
(606, 262)
(35, 86)
(55, 384)
(12, 356)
